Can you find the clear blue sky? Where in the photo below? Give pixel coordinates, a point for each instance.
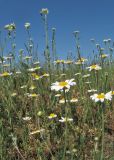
(93, 18)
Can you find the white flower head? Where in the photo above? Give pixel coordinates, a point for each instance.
(64, 119)
(44, 11)
(94, 67)
(101, 97)
(92, 90)
(86, 75)
(63, 85)
(27, 25)
(77, 74)
(26, 118)
(52, 115)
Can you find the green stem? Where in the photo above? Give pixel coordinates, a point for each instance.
(66, 126)
(102, 149)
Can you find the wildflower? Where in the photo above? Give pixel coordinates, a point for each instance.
(52, 115)
(58, 95)
(94, 67)
(24, 86)
(63, 74)
(10, 27)
(76, 32)
(68, 62)
(81, 61)
(40, 113)
(62, 101)
(63, 85)
(26, 118)
(73, 100)
(37, 62)
(13, 94)
(5, 74)
(36, 76)
(92, 90)
(58, 61)
(32, 87)
(77, 74)
(96, 138)
(109, 95)
(101, 97)
(27, 25)
(105, 41)
(44, 11)
(86, 75)
(26, 94)
(104, 55)
(18, 72)
(109, 40)
(53, 29)
(33, 95)
(102, 49)
(31, 46)
(27, 57)
(45, 75)
(33, 69)
(37, 131)
(64, 119)
(88, 82)
(74, 150)
(98, 45)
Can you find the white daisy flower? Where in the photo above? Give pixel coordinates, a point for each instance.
(26, 118)
(44, 11)
(86, 75)
(27, 25)
(92, 90)
(37, 131)
(101, 97)
(62, 101)
(64, 119)
(104, 55)
(73, 100)
(77, 74)
(64, 84)
(94, 67)
(52, 115)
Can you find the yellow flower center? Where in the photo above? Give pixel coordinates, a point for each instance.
(35, 76)
(103, 55)
(101, 96)
(52, 115)
(5, 74)
(63, 84)
(32, 87)
(33, 95)
(59, 61)
(93, 66)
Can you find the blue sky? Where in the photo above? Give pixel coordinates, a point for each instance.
(93, 18)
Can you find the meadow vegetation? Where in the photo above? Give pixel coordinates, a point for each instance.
(58, 110)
